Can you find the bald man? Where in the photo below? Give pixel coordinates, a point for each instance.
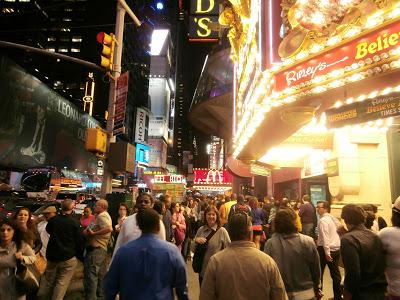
(98, 234)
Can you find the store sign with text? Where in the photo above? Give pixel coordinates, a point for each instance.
(212, 177)
(142, 125)
(202, 13)
(169, 179)
(361, 48)
(120, 104)
(367, 110)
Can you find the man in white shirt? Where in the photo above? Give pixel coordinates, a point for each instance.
(329, 246)
(130, 230)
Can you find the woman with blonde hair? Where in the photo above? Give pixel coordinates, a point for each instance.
(216, 237)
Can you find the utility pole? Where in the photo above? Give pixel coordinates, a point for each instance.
(122, 8)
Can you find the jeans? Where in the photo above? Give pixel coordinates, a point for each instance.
(334, 270)
(55, 280)
(95, 270)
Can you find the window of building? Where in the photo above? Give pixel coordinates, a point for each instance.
(9, 0)
(75, 50)
(24, 0)
(76, 39)
(51, 49)
(64, 39)
(62, 49)
(68, 9)
(67, 19)
(65, 29)
(7, 10)
(51, 39)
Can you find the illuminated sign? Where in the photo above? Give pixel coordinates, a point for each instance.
(169, 179)
(204, 7)
(367, 110)
(212, 177)
(363, 50)
(142, 154)
(260, 170)
(203, 12)
(149, 172)
(142, 125)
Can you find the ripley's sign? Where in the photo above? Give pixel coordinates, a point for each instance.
(360, 48)
(367, 110)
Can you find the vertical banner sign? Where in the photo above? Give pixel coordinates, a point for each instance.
(120, 104)
(202, 13)
(142, 122)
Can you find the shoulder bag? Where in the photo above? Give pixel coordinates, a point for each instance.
(27, 279)
(200, 252)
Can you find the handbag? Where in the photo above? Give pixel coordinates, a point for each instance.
(200, 252)
(27, 279)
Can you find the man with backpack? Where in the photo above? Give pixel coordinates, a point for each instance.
(240, 207)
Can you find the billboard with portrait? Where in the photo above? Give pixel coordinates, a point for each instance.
(38, 127)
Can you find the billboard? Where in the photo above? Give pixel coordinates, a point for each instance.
(158, 153)
(142, 154)
(120, 104)
(142, 126)
(38, 127)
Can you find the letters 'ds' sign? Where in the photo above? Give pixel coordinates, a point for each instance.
(202, 13)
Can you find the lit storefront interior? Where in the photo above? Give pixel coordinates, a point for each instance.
(317, 95)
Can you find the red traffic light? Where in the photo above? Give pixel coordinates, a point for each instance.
(104, 38)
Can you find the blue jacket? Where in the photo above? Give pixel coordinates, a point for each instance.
(147, 268)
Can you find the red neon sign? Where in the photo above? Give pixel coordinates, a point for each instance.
(212, 177)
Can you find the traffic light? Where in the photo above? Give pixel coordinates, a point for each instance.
(107, 52)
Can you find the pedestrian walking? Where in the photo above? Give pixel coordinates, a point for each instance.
(390, 237)
(13, 251)
(363, 258)
(328, 244)
(258, 218)
(23, 219)
(241, 271)
(148, 267)
(215, 237)
(169, 233)
(95, 264)
(130, 230)
(178, 225)
(64, 248)
(296, 256)
(87, 217)
(307, 215)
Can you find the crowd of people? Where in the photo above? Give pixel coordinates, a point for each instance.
(242, 248)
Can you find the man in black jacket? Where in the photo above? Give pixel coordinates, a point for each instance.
(64, 249)
(363, 258)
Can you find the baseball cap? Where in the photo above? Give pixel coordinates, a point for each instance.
(49, 209)
(396, 205)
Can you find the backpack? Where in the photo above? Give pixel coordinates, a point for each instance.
(241, 208)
